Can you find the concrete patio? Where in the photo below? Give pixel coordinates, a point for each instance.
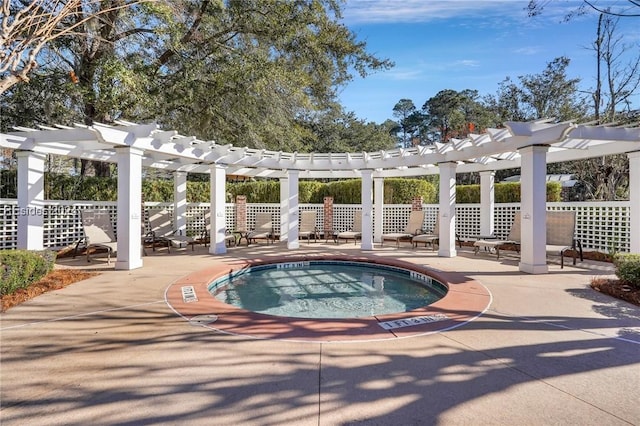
(109, 350)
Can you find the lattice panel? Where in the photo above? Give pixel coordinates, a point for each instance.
(63, 223)
(600, 226)
(395, 217)
(8, 224)
(503, 219)
(468, 220)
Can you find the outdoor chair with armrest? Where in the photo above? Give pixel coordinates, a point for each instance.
(162, 231)
(98, 232)
(263, 230)
(355, 233)
(512, 239)
(413, 228)
(308, 226)
(561, 226)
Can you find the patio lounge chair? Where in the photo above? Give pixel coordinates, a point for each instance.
(162, 231)
(308, 226)
(413, 228)
(431, 238)
(263, 230)
(355, 233)
(512, 239)
(98, 232)
(561, 226)
(204, 237)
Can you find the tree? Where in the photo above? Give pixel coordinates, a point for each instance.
(453, 114)
(621, 80)
(239, 72)
(337, 131)
(29, 26)
(550, 94)
(628, 8)
(408, 121)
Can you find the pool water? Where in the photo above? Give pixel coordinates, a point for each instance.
(327, 290)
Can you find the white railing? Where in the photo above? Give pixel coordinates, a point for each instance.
(602, 226)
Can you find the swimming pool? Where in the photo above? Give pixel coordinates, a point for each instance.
(327, 289)
(190, 297)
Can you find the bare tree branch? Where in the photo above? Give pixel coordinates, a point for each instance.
(25, 32)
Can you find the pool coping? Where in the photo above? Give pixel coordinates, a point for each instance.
(465, 300)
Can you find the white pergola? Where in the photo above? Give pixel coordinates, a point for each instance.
(526, 145)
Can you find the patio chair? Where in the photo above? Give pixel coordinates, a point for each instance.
(561, 228)
(512, 239)
(162, 231)
(308, 226)
(431, 238)
(355, 233)
(413, 228)
(263, 229)
(204, 236)
(98, 232)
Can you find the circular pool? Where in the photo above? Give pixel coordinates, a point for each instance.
(459, 299)
(327, 289)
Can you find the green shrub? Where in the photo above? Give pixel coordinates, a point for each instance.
(21, 268)
(628, 268)
(505, 192)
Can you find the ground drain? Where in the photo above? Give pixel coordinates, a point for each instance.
(203, 319)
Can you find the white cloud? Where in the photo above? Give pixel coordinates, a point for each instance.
(528, 50)
(403, 74)
(394, 11)
(467, 63)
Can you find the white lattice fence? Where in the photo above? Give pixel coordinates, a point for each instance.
(602, 226)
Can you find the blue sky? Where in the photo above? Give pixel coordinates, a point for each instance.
(465, 44)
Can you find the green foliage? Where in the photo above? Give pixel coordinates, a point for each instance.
(21, 268)
(554, 191)
(308, 190)
(505, 192)
(396, 190)
(402, 191)
(628, 268)
(468, 194)
(65, 187)
(256, 192)
(8, 184)
(158, 190)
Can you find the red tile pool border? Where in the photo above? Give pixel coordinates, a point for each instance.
(466, 300)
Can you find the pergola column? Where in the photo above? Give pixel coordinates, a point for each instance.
(487, 202)
(292, 216)
(30, 200)
(378, 210)
(129, 224)
(447, 210)
(634, 200)
(367, 210)
(533, 209)
(180, 202)
(284, 208)
(217, 196)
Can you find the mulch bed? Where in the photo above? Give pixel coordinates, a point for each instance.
(617, 289)
(55, 280)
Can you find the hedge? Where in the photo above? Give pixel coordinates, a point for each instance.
(628, 268)
(396, 190)
(20, 268)
(507, 192)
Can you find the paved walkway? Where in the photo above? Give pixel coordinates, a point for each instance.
(109, 350)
